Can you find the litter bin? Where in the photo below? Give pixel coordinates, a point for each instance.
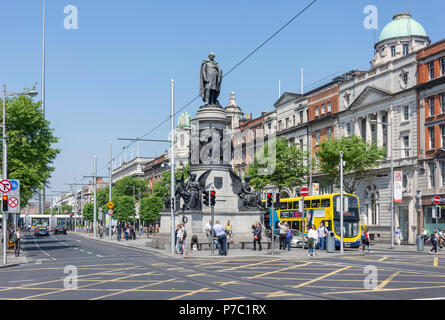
(420, 241)
(330, 242)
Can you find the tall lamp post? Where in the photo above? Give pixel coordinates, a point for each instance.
(5, 157)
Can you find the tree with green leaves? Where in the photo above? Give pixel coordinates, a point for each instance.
(150, 208)
(88, 212)
(129, 186)
(286, 166)
(30, 146)
(358, 155)
(124, 209)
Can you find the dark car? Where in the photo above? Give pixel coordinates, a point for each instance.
(41, 231)
(60, 229)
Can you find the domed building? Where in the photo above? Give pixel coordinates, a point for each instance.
(402, 36)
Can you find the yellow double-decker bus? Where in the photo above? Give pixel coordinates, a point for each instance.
(323, 209)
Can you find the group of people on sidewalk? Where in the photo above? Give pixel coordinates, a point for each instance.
(220, 235)
(127, 229)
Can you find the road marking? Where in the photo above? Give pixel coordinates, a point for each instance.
(228, 282)
(383, 259)
(98, 255)
(436, 262)
(192, 293)
(322, 277)
(42, 250)
(279, 270)
(249, 265)
(137, 288)
(384, 283)
(21, 281)
(277, 294)
(89, 252)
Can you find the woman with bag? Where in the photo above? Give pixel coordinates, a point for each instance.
(312, 240)
(366, 241)
(289, 236)
(257, 236)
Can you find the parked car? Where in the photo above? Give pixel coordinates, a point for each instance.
(60, 229)
(41, 231)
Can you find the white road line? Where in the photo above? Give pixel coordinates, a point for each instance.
(89, 252)
(82, 250)
(21, 281)
(98, 255)
(42, 249)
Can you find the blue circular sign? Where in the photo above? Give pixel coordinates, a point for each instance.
(14, 184)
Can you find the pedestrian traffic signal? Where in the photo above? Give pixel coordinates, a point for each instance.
(205, 195)
(212, 198)
(277, 199)
(269, 200)
(5, 203)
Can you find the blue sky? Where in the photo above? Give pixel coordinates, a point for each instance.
(111, 77)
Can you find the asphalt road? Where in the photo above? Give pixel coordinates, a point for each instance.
(71, 267)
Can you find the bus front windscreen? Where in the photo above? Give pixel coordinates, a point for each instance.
(351, 211)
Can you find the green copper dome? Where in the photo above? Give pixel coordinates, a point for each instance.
(403, 25)
(185, 120)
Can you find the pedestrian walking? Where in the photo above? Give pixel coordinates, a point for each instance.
(179, 235)
(257, 236)
(17, 238)
(229, 230)
(312, 240)
(177, 240)
(366, 241)
(398, 236)
(220, 233)
(283, 231)
(434, 239)
(289, 236)
(208, 230)
(322, 233)
(184, 237)
(119, 230)
(127, 232)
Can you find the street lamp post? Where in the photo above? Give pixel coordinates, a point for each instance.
(5, 159)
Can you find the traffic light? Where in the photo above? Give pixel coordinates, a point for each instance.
(269, 200)
(277, 199)
(5, 203)
(205, 195)
(212, 198)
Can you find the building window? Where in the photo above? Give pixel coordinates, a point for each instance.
(432, 106)
(329, 107)
(431, 70)
(405, 78)
(316, 111)
(442, 135)
(405, 113)
(442, 66)
(432, 174)
(393, 51)
(301, 145)
(323, 109)
(317, 136)
(301, 117)
(442, 103)
(287, 123)
(432, 139)
(442, 172)
(404, 181)
(405, 49)
(329, 132)
(406, 145)
(348, 128)
(182, 140)
(293, 121)
(280, 125)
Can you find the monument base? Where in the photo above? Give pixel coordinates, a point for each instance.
(241, 221)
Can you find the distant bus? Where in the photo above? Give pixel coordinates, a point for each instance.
(46, 220)
(323, 209)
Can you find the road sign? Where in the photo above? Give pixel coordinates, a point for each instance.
(13, 202)
(14, 193)
(110, 204)
(110, 212)
(304, 192)
(5, 186)
(436, 200)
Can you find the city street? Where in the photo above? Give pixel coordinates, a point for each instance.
(109, 271)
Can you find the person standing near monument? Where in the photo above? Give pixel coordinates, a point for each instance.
(210, 81)
(220, 233)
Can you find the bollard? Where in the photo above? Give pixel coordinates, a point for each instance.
(420, 241)
(330, 242)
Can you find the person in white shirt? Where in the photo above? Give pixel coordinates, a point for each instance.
(312, 239)
(220, 233)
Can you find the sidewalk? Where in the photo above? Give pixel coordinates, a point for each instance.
(140, 243)
(11, 259)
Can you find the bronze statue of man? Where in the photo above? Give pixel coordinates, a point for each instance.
(210, 81)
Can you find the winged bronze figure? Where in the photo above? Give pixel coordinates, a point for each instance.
(243, 190)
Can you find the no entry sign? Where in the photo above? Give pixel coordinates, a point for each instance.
(13, 202)
(436, 200)
(304, 192)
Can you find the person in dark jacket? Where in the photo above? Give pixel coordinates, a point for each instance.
(257, 236)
